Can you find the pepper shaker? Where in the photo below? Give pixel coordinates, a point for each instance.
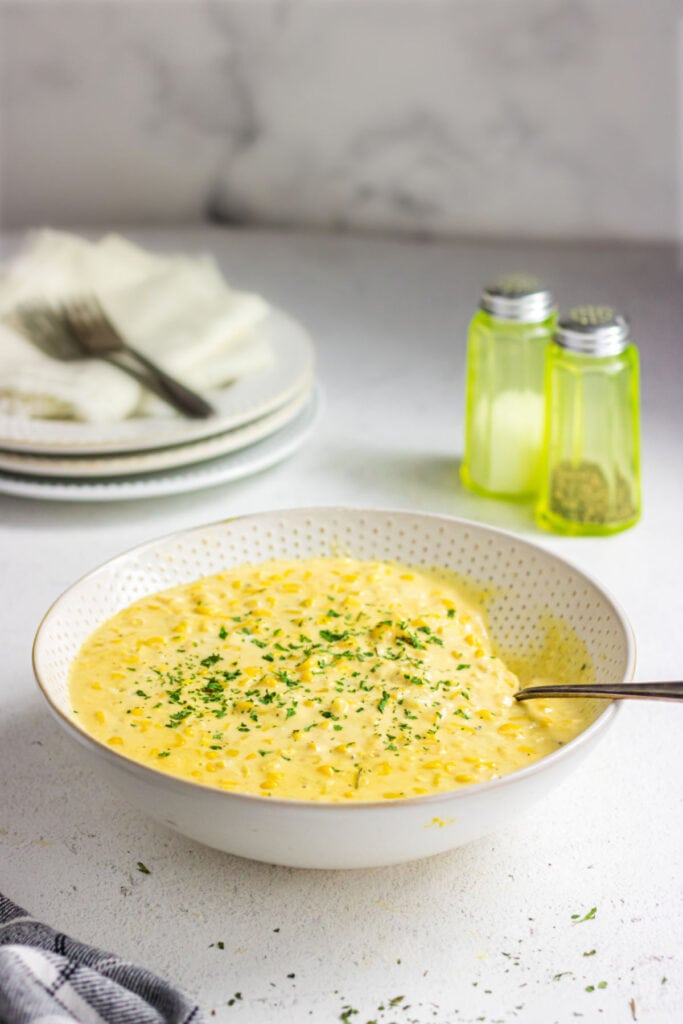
(590, 473)
(507, 341)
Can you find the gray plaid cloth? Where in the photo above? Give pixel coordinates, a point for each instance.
(48, 978)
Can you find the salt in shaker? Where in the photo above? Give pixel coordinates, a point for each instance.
(507, 342)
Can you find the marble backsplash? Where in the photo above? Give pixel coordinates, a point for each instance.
(537, 118)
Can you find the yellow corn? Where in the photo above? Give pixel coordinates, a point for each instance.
(509, 729)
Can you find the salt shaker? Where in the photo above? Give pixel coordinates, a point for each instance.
(506, 348)
(590, 473)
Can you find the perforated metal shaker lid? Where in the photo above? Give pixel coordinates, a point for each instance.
(594, 331)
(519, 297)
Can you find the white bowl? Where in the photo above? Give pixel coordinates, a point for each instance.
(522, 584)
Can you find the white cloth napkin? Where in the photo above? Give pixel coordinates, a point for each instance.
(178, 310)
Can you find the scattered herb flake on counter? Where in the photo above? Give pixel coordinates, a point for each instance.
(143, 869)
(586, 917)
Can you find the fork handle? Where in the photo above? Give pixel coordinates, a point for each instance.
(646, 691)
(172, 391)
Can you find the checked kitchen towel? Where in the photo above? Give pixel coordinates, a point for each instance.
(48, 978)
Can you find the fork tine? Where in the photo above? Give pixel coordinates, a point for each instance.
(76, 311)
(48, 329)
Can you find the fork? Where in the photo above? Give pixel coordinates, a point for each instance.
(98, 337)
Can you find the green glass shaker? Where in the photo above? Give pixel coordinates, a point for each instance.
(590, 475)
(506, 347)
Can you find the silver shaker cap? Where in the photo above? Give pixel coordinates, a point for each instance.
(519, 297)
(593, 331)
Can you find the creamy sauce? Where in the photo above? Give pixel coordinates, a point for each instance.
(319, 679)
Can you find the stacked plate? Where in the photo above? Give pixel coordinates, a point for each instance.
(260, 419)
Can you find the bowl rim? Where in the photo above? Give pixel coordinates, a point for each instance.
(131, 766)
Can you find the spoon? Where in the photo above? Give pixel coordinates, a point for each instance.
(644, 691)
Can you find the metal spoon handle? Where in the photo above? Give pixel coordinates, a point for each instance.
(644, 691)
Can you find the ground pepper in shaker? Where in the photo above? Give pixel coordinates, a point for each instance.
(506, 348)
(590, 474)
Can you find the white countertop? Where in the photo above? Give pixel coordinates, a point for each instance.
(484, 933)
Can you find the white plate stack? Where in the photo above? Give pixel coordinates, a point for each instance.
(260, 419)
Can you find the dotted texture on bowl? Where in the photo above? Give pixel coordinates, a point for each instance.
(522, 585)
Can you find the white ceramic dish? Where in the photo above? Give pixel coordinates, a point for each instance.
(87, 467)
(252, 396)
(253, 458)
(524, 583)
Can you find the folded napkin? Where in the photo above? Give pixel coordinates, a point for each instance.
(177, 310)
(48, 978)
